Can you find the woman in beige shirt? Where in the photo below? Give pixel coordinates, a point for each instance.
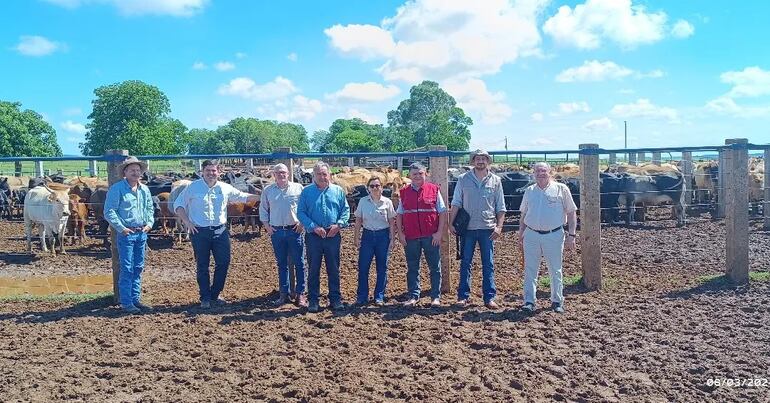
(375, 213)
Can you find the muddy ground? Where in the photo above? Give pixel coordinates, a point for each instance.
(654, 333)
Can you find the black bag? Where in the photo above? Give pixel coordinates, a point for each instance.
(460, 224)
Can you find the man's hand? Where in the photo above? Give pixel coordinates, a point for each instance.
(402, 239)
(128, 231)
(334, 229)
(298, 228)
(269, 229)
(496, 233)
(190, 227)
(569, 243)
(452, 230)
(437, 239)
(147, 229)
(320, 232)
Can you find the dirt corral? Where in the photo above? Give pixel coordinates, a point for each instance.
(653, 334)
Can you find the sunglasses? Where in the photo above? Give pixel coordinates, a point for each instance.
(374, 186)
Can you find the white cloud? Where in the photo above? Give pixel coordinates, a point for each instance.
(657, 73)
(240, 55)
(682, 29)
(34, 45)
(727, 106)
(567, 108)
(594, 70)
(473, 96)
(643, 108)
(292, 57)
(175, 8)
(245, 87)
(751, 82)
(602, 124)
(224, 66)
(73, 127)
(588, 24)
(537, 117)
(364, 92)
(199, 66)
(74, 111)
(301, 108)
(444, 39)
(355, 113)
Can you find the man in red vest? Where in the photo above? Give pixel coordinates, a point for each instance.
(421, 223)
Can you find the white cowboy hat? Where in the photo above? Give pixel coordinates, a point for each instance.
(132, 160)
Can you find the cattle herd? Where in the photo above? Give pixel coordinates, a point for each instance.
(59, 205)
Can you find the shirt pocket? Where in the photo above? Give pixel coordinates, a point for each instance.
(553, 201)
(127, 207)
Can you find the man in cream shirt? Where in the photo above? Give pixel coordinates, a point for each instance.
(278, 213)
(544, 207)
(202, 207)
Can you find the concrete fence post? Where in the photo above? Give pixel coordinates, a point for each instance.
(351, 162)
(721, 185)
(198, 165)
(114, 158)
(687, 172)
(92, 170)
(438, 175)
(631, 158)
(17, 168)
(39, 169)
(766, 184)
(590, 218)
(613, 159)
(736, 210)
(656, 158)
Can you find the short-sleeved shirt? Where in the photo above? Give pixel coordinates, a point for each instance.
(279, 206)
(546, 209)
(375, 216)
(207, 206)
(482, 199)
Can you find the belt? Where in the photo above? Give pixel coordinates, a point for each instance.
(211, 227)
(141, 227)
(284, 226)
(376, 230)
(547, 231)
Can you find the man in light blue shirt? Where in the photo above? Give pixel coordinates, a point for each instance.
(128, 208)
(323, 209)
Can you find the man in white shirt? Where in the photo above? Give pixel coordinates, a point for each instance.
(278, 213)
(202, 207)
(544, 207)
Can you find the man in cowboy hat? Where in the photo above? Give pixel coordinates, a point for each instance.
(129, 210)
(480, 193)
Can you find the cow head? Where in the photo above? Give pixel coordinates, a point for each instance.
(60, 202)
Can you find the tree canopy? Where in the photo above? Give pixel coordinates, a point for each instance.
(248, 136)
(25, 133)
(349, 135)
(132, 115)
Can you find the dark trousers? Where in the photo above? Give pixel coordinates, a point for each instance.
(374, 245)
(211, 241)
(328, 249)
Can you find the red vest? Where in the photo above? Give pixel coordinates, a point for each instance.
(420, 218)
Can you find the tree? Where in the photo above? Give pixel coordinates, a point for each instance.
(429, 117)
(25, 133)
(248, 136)
(349, 135)
(356, 141)
(133, 115)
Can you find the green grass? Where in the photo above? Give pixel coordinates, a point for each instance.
(758, 276)
(72, 168)
(57, 297)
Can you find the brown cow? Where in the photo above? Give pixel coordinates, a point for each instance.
(249, 212)
(165, 215)
(77, 220)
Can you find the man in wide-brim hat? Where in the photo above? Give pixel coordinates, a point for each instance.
(129, 210)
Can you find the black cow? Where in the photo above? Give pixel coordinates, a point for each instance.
(655, 190)
(611, 186)
(514, 185)
(5, 205)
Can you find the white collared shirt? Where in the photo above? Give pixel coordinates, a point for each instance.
(207, 206)
(375, 216)
(546, 209)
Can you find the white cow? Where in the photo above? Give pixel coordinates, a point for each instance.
(49, 210)
(176, 189)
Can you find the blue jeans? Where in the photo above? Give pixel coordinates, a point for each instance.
(413, 249)
(374, 244)
(487, 249)
(205, 243)
(287, 242)
(328, 249)
(131, 253)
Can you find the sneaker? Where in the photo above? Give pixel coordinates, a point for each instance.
(362, 303)
(557, 307)
(464, 302)
(492, 304)
(528, 307)
(220, 301)
(131, 309)
(282, 299)
(411, 302)
(337, 306)
(313, 307)
(435, 302)
(142, 306)
(302, 301)
(379, 302)
(205, 305)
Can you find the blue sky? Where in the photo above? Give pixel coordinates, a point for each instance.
(545, 74)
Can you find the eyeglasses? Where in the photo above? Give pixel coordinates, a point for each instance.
(374, 186)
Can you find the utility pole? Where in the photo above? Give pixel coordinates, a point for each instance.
(625, 134)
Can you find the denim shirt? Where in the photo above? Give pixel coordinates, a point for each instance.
(323, 208)
(126, 209)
